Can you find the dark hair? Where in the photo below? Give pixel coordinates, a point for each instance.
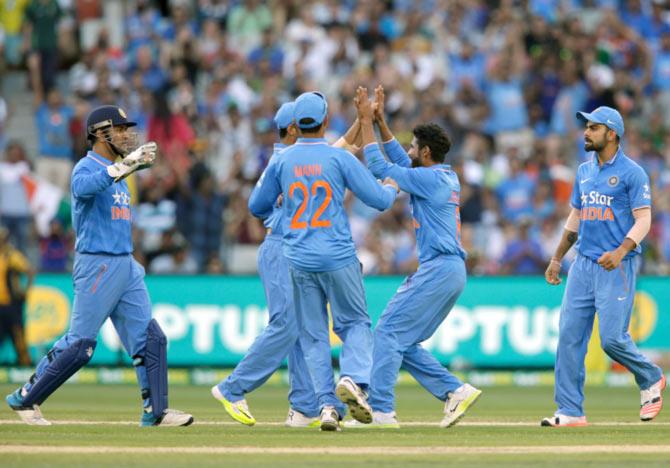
(432, 136)
(283, 132)
(309, 121)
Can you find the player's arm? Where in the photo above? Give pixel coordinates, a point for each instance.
(265, 193)
(568, 239)
(349, 139)
(417, 182)
(639, 195)
(365, 187)
(86, 183)
(392, 148)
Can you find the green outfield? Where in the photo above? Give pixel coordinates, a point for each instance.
(97, 425)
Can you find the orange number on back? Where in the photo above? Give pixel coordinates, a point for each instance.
(316, 222)
(295, 221)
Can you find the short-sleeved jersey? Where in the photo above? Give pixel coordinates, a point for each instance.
(606, 196)
(434, 198)
(313, 177)
(101, 214)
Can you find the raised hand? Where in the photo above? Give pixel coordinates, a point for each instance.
(378, 104)
(363, 105)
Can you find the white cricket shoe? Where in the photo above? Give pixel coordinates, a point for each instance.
(561, 420)
(169, 418)
(355, 398)
(329, 420)
(379, 420)
(458, 403)
(32, 417)
(651, 400)
(296, 419)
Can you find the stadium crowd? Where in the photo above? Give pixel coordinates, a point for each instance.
(204, 78)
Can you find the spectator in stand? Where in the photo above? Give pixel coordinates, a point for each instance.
(516, 192)
(55, 249)
(523, 255)
(15, 212)
(201, 215)
(41, 38)
(13, 296)
(11, 21)
(54, 140)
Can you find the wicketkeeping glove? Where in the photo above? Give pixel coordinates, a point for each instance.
(141, 158)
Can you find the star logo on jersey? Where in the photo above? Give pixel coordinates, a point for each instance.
(121, 198)
(613, 181)
(584, 199)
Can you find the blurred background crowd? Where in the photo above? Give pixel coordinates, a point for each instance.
(204, 78)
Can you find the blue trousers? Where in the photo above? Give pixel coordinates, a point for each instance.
(108, 286)
(279, 339)
(591, 288)
(418, 308)
(343, 290)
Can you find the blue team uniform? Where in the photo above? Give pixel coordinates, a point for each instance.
(425, 298)
(320, 251)
(606, 196)
(280, 337)
(108, 282)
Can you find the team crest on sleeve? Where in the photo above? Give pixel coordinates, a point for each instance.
(613, 181)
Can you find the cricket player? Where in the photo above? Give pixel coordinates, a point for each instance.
(108, 282)
(313, 176)
(426, 297)
(611, 214)
(280, 337)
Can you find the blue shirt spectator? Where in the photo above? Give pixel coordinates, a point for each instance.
(53, 127)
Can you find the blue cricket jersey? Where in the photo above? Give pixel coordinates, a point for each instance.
(313, 177)
(100, 209)
(606, 197)
(274, 220)
(434, 198)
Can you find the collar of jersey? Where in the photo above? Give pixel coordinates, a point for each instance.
(279, 146)
(443, 167)
(611, 161)
(99, 159)
(311, 141)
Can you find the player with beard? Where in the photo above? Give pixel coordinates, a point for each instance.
(611, 214)
(426, 297)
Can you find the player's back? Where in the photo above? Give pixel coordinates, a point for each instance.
(313, 178)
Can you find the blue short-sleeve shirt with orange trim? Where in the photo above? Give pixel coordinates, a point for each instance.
(606, 197)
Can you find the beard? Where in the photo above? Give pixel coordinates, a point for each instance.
(416, 162)
(593, 146)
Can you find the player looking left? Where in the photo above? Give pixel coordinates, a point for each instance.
(426, 297)
(108, 282)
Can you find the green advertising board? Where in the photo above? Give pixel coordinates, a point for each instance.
(212, 320)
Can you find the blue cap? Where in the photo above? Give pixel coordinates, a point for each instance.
(313, 106)
(606, 116)
(284, 116)
(107, 115)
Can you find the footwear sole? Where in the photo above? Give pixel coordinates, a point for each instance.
(546, 423)
(329, 426)
(463, 407)
(647, 419)
(372, 426)
(228, 406)
(358, 408)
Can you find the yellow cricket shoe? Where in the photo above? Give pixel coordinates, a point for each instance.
(458, 403)
(238, 410)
